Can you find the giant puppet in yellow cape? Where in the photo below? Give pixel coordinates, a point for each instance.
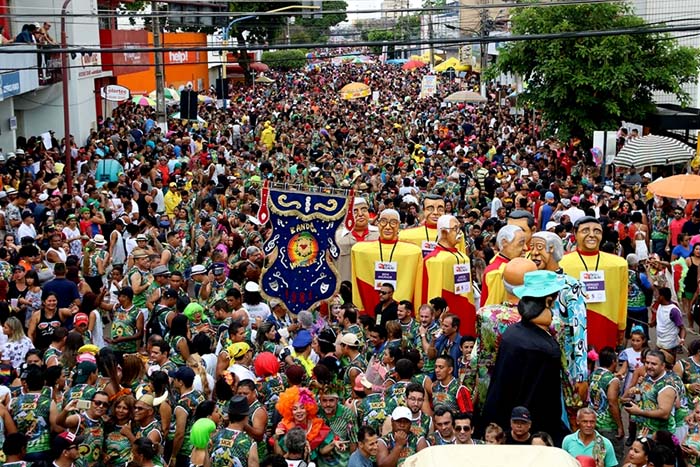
(605, 279)
(383, 261)
(426, 235)
(447, 274)
(511, 241)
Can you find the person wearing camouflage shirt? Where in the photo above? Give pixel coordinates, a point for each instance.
(233, 442)
(604, 396)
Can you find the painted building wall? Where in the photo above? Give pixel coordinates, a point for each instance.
(181, 67)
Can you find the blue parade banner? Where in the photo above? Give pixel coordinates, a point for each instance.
(301, 248)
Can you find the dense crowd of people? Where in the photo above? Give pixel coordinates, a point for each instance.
(135, 331)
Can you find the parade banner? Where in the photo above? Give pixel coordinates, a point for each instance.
(301, 248)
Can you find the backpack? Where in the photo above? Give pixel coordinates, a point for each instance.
(153, 326)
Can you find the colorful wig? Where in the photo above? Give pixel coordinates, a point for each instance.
(316, 429)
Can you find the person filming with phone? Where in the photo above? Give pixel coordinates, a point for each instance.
(651, 401)
(85, 418)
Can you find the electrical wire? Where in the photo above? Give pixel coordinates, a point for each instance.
(434, 41)
(234, 14)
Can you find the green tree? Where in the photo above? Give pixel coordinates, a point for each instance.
(592, 83)
(318, 26)
(378, 35)
(285, 59)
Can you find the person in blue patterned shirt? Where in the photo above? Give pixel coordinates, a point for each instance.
(569, 321)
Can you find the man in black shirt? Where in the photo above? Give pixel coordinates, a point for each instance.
(692, 226)
(520, 423)
(387, 308)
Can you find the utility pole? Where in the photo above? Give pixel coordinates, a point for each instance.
(483, 32)
(430, 36)
(160, 75)
(68, 170)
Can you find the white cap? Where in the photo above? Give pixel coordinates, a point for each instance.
(198, 269)
(551, 225)
(608, 189)
(251, 286)
(401, 412)
(647, 175)
(410, 199)
(43, 197)
(253, 220)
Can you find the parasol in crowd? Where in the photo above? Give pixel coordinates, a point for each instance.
(413, 64)
(470, 97)
(176, 116)
(143, 101)
(355, 91)
(169, 93)
(259, 67)
(684, 186)
(653, 150)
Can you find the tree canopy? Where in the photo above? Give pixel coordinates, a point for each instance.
(592, 83)
(285, 59)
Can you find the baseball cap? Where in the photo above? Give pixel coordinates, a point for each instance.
(274, 302)
(550, 225)
(350, 340)
(184, 374)
(127, 291)
(549, 195)
(198, 269)
(302, 339)
(401, 412)
(80, 318)
(66, 440)
(83, 371)
(361, 383)
(170, 293)
(520, 413)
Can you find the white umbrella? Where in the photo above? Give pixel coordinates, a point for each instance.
(176, 116)
(653, 150)
(466, 96)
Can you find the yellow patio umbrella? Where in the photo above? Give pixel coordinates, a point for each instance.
(453, 63)
(436, 58)
(355, 91)
(420, 58)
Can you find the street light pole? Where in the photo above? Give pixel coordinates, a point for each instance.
(160, 72)
(66, 104)
(276, 10)
(224, 55)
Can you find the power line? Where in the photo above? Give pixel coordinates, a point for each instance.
(436, 41)
(234, 14)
